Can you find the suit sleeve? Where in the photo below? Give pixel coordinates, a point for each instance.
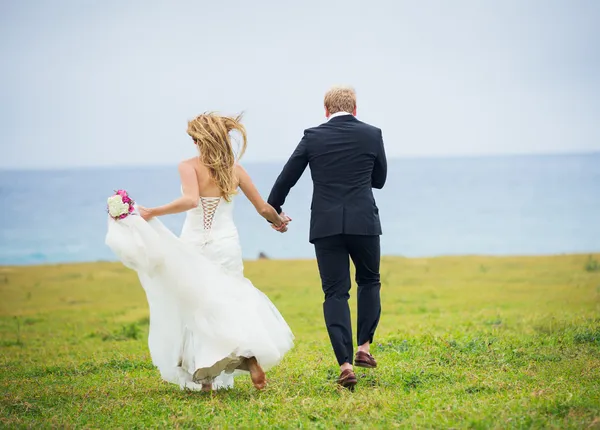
(292, 171)
(379, 174)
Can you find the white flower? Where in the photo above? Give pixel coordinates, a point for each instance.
(116, 207)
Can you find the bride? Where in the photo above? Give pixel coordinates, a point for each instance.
(207, 322)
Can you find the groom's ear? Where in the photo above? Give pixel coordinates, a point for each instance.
(354, 111)
(327, 114)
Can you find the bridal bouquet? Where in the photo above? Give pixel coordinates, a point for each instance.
(120, 205)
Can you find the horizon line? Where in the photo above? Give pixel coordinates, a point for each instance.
(282, 160)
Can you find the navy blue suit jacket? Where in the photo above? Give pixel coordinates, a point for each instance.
(347, 160)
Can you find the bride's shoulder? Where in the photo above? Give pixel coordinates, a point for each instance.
(239, 170)
(189, 164)
(188, 168)
(189, 161)
(240, 174)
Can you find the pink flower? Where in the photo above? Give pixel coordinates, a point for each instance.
(117, 202)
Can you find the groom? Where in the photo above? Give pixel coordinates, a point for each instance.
(347, 160)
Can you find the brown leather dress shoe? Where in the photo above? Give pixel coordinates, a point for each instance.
(364, 359)
(347, 379)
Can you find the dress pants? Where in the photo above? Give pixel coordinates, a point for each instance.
(333, 257)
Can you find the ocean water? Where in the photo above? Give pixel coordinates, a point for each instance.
(510, 205)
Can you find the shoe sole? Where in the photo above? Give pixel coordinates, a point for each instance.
(349, 384)
(364, 365)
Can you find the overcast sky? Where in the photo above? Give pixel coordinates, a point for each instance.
(113, 82)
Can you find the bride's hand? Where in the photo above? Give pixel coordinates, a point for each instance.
(145, 213)
(281, 229)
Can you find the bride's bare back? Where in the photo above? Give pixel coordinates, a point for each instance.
(207, 187)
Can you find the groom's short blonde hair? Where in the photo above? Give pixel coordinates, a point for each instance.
(340, 99)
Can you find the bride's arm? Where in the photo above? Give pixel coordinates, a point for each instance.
(189, 199)
(250, 191)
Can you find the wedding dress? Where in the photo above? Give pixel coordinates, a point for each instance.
(205, 317)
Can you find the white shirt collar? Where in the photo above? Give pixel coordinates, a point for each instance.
(333, 115)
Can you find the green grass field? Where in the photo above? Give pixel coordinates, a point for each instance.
(464, 342)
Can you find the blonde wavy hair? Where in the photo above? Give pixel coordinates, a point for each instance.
(211, 135)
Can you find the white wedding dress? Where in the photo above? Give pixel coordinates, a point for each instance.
(205, 317)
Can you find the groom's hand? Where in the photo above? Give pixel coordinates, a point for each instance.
(285, 220)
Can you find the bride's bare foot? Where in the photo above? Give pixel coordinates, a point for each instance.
(207, 388)
(257, 374)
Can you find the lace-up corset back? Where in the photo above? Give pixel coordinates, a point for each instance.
(209, 208)
(210, 220)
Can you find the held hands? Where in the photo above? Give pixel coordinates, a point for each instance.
(285, 220)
